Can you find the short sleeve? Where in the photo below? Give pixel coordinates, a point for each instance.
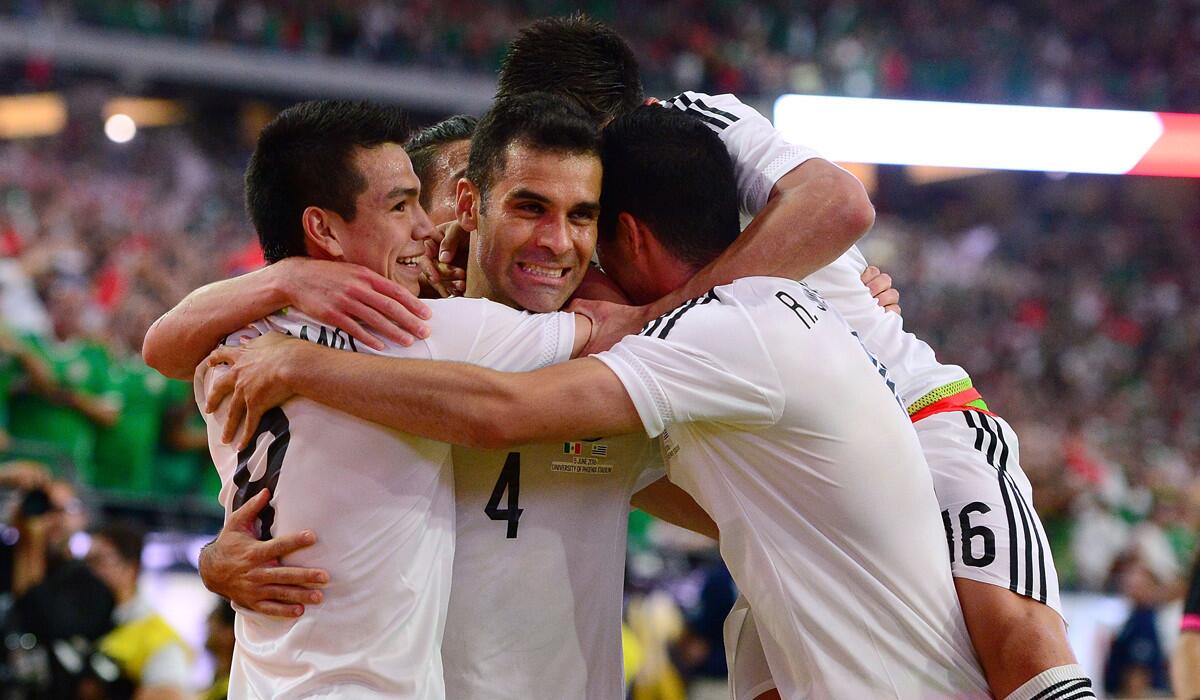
(711, 367)
(519, 341)
(760, 153)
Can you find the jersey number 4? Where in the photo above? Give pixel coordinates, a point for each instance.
(510, 481)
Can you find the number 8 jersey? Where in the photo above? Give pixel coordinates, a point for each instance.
(383, 505)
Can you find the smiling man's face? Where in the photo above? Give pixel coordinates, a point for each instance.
(389, 225)
(536, 230)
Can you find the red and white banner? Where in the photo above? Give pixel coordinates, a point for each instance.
(1003, 137)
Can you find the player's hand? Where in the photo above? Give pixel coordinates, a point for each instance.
(255, 383)
(879, 283)
(354, 298)
(248, 572)
(445, 278)
(454, 244)
(610, 322)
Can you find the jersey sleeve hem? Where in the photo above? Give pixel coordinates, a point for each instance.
(648, 398)
(559, 340)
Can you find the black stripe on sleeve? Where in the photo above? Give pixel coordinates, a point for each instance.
(690, 106)
(1012, 523)
(1022, 511)
(719, 112)
(678, 315)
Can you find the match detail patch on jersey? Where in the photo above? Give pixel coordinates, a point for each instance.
(581, 465)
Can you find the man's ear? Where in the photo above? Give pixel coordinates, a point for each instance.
(320, 234)
(466, 204)
(632, 233)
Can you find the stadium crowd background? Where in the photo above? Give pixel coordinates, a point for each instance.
(1066, 297)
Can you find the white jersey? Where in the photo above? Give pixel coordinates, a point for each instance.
(383, 505)
(788, 433)
(761, 156)
(535, 607)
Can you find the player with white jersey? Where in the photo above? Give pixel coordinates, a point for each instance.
(739, 383)
(383, 502)
(994, 535)
(535, 610)
(537, 584)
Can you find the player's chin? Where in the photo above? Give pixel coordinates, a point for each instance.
(543, 299)
(408, 276)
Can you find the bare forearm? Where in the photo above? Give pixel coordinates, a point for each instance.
(669, 503)
(815, 214)
(180, 338)
(1185, 666)
(462, 403)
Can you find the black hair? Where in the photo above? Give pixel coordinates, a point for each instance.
(127, 538)
(574, 56)
(539, 120)
(671, 172)
(423, 147)
(304, 158)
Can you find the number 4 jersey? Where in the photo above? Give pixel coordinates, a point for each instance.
(535, 608)
(382, 503)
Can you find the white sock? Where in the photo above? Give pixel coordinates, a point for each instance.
(1059, 683)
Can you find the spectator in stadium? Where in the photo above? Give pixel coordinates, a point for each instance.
(220, 642)
(62, 423)
(55, 596)
(150, 653)
(700, 650)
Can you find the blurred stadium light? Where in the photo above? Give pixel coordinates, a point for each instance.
(1003, 137)
(26, 116)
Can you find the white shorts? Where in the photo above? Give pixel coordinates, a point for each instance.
(992, 532)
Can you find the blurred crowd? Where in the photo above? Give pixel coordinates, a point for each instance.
(95, 242)
(1105, 53)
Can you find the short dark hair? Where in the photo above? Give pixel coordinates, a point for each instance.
(539, 120)
(671, 172)
(423, 147)
(304, 158)
(574, 56)
(127, 538)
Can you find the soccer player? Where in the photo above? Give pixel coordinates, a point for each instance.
(439, 157)
(826, 513)
(1003, 570)
(330, 180)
